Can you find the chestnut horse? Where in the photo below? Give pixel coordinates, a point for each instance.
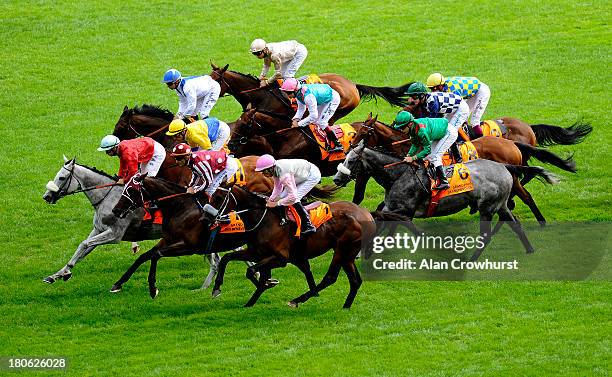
(246, 89)
(270, 244)
(532, 134)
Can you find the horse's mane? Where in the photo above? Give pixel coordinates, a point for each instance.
(247, 75)
(101, 172)
(274, 115)
(153, 111)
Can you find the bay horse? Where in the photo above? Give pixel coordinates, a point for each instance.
(146, 120)
(269, 243)
(408, 193)
(246, 90)
(532, 134)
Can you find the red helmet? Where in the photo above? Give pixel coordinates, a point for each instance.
(181, 150)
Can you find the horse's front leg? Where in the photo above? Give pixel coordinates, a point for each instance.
(130, 271)
(235, 255)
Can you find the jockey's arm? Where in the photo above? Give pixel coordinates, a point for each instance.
(128, 163)
(313, 113)
(278, 64)
(278, 187)
(265, 68)
(288, 183)
(425, 143)
(190, 102)
(300, 111)
(196, 137)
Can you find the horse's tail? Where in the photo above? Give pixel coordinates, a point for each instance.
(536, 171)
(550, 135)
(323, 191)
(395, 96)
(567, 164)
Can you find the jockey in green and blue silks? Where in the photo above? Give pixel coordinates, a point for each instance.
(197, 94)
(321, 100)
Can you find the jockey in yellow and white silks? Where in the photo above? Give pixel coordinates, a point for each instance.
(207, 134)
(197, 94)
(475, 93)
(286, 56)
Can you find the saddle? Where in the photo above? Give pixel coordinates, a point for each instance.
(154, 216)
(345, 134)
(459, 179)
(318, 212)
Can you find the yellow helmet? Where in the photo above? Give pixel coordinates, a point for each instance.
(175, 127)
(435, 79)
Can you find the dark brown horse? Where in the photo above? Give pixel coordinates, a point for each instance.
(246, 89)
(145, 120)
(531, 134)
(269, 243)
(376, 134)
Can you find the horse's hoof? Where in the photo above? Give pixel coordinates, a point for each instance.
(216, 293)
(292, 304)
(67, 276)
(530, 251)
(49, 280)
(116, 288)
(154, 293)
(135, 250)
(271, 283)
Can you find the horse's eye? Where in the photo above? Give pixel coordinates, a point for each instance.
(61, 178)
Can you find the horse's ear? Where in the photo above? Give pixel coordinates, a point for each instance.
(369, 116)
(213, 65)
(248, 106)
(375, 118)
(65, 158)
(224, 68)
(141, 177)
(126, 108)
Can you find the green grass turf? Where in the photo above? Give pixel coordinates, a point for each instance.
(68, 68)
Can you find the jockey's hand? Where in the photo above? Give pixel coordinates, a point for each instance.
(263, 83)
(190, 190)
(271, 204)
(294, 123)
(408, 159)
(121, 181)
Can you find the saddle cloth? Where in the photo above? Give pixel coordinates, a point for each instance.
(459, 179)
(318, 212)
(468, 153)
(345, 134)
(492, 128)
(235, 224)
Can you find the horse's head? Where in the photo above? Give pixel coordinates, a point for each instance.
(122, 128)
(63, 184)
(351, 167)
(132, 196)
(218, 74)
(245, 128)
(366, 131)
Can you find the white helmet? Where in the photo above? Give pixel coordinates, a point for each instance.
(108, 142)
(258, 45)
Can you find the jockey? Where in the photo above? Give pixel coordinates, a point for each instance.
(293, 179)
(208, 134)
(210, 168)
(197, 94)
(144, 154)
(320, 100)
(433, 135)
(475, 92)
(287, 57)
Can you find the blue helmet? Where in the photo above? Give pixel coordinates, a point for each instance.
(171, 75)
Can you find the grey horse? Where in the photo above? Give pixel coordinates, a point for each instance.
(407, 189)
(73, 178)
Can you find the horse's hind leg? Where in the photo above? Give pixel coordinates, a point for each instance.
(265, 266)
(506, 215)
(331, 275)
(485, 233)
(213, 260)
(354, 280)
(235, 255)
(526, 197)
(304, 266)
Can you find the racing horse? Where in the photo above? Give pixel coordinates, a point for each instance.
(408, 192)
(103, 194)
(531, 134)
(146, 120)
(269, 243)
(377, 134)
(246, 90)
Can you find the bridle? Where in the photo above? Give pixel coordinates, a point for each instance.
(131, 127)
(61, 191)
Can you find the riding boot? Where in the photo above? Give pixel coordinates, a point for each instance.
(477, 131)
(307, 226)
(442, 181)
(456, 153)
(335, 145)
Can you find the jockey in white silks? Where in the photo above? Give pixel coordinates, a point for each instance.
(293, 179)
(286, 56)
(197, 94)
(320, 100)
(475, 93)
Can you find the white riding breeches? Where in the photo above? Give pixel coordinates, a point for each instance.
(152, 167)
(478, 104)
(459, 116)
(440, 146)
(231, 167)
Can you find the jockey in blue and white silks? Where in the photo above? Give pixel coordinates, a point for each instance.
(440, 104)
(197, 94)
(320, 100)
(475, 93)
